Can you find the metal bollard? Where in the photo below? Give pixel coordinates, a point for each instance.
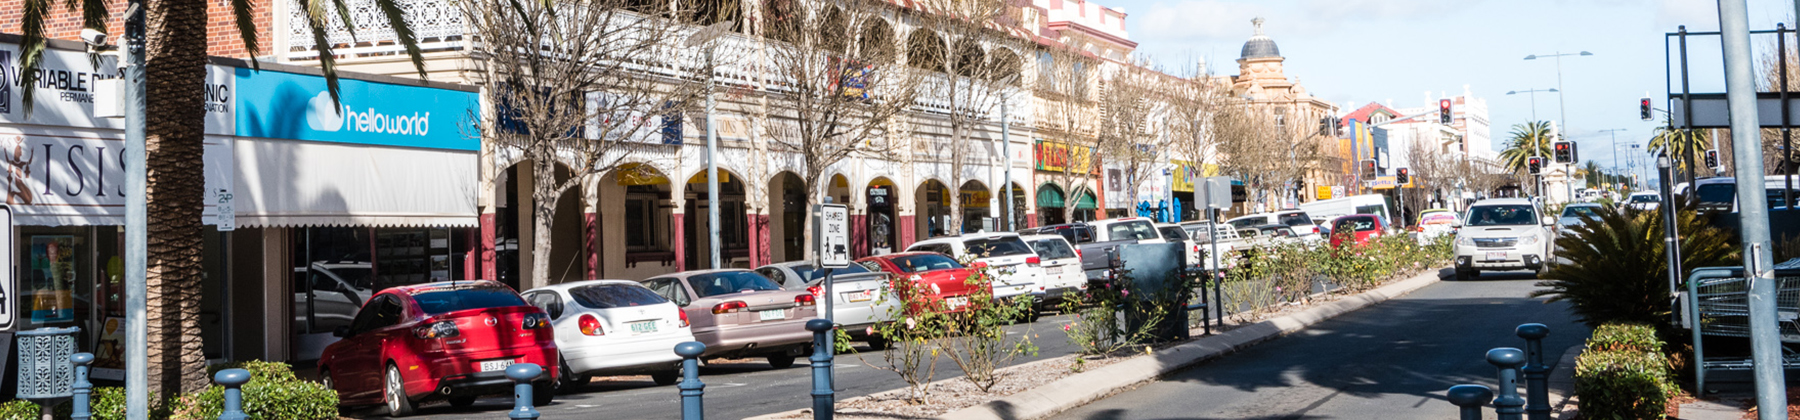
(82, 388)
(521, 374)
(1537, 375)
(1470, 398)
(232, 379)
(1508, 405)
(824, 399)
(691, 387)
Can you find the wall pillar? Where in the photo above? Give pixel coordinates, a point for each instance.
(1031, 220)
(678, 238)
(907, 232)
(489, 258)
(859, 234)
(759, 238)
(591, 243)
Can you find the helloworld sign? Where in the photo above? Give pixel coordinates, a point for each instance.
(281, 105)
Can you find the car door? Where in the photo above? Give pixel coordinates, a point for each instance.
(356, 366)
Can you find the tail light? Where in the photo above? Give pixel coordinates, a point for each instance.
(806, 300)
(536, 321)
(1032, 260)
(1316, 230)
(729, 307)
(590, 326)
(818, 290)
(684, 321)
(1077, 253)
(440, 329)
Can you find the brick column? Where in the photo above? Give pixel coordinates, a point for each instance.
(859, 235)
(592, 239)
(907, 231)
(488, 256)
(759, 238)
(678, 240)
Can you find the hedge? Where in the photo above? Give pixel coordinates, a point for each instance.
(1624, 337)
(273, 393)
(1623, 374)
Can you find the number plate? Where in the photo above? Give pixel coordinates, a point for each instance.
(495, 365)
(1053, 270)
(863, 296)
(643, 327)
(772, 314)
(956, 302)
(1496, 256)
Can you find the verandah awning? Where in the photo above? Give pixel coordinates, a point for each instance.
(287, 183)
(1049, 196)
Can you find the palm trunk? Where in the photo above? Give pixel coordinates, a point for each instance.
(176, 69)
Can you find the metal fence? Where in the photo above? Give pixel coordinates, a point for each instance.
(1716, 304)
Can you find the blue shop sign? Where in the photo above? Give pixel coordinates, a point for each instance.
(281, 105)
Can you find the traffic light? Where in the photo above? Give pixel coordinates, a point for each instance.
(1534, 164)
(1712, 158)
(1564, 152)
(1444, 111)
(1644, 110)
(1401, 177)
(1368, 169)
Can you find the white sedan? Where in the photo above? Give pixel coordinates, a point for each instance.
(613, 327)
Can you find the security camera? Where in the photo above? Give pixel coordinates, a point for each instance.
(93, 37)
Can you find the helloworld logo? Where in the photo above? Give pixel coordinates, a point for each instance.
(321, 115)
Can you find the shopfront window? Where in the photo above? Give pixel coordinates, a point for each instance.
(337, 269)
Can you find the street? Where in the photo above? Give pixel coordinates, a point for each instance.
(1389, 361)
(733, 391)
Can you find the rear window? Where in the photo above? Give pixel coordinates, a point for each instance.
(1133, 230)
(1354, 224)
(713, 284)
(924, 262)
(1710, 193)
(1502, 215)
(1579, 211)
(1295, 219)
(996, 247)
(812, 272)
(1245, 223)
(1652, 198)
(451, 299)
(603, 296)
(1173, 233)
(1051, 249)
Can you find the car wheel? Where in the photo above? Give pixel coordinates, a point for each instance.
(460, 402)
(571, 380)
(325, 379)
(397, 403)
(666, 377)
(781, 361)
(542, 393)
(876, 342)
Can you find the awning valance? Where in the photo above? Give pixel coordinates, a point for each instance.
(287, 183)
(1086, 201)
(1049, 196)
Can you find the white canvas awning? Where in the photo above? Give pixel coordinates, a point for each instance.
(286, 183)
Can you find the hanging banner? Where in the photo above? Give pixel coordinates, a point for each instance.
(55, 177)
(1056, 157)
(69, 86)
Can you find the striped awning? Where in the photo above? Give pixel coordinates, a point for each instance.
(1049, 196)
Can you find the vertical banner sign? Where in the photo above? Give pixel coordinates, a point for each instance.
(832, 235)
(8, 287)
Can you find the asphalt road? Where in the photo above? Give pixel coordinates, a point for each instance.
(733, 390)
(1390, 361)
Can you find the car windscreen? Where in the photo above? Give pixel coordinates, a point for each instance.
(1712, 193)
(603, 296)
(1133, 230)
(727, 282)
(1652, 198)
(1051, 249)
(1354, 224)
(924, 262)
(1173, 233)
(451, 299)
(996, 247)
(1501, 215)
(1580, 211)
(811, 272)
(1294, 219)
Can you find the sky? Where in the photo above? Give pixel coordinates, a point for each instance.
(1365, 51)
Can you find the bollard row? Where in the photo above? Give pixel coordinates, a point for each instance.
(1509, 363)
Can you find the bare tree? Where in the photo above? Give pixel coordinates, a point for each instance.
(1068, 114)
(1131, 101)
(953, 40)
(1192, 104)
(577, 87)
(836, 87)
(1258, 146)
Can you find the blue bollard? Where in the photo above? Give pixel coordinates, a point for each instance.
(1537, 375)
(521, 374)
(691, 387)
(1470, 398)
(1508, 405)
(81, 388)
(232, 379)
(824, 399)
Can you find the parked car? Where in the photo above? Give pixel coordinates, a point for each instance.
(1062, 266)
(946, 279)
(738, 313)
(1375, 204)
(1175, 233)
(326, 296)
(1096, 241)
(798, 275)
(1435, 223)
(1297, 220)
(1576, 214)
(1357, 228)
(1643, 201)
(1719, 194)
(1275, 234)
(1012, 264)
(1230, 244)
(451, 340)
(863, 298)
(613, 327)
(1503, 234)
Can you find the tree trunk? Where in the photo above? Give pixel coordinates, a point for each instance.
(811, 183)
(176, 71)
(544, 197)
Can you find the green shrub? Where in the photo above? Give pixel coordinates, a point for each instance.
(273, 393)
(1613, 384)
(1617, 272)
(1624, 337)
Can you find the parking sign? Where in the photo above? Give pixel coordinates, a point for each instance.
(832, 234)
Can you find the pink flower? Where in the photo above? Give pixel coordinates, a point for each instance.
(1278, 289)
(1066, 327)
(1123, 292)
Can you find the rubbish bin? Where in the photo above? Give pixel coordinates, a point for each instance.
(45, 373)
(1154, 273)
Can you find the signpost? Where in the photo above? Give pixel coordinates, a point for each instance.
(831, 231)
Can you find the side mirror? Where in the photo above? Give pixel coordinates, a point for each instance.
(341, 331)
(1549, 221)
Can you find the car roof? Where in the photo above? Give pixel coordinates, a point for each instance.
(413, 289)
(564, 287)
(901, 254)
(686, 274)
(1582, 205)
(1644, 193)
(1043, 237)
(1503, 201)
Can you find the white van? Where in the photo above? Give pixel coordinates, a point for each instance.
(1357, 204)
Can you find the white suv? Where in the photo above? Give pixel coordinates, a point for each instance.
(1015, 267)
(1503, 234)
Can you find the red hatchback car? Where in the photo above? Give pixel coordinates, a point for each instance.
(1358, 228)
(451, 340)
(945, 280)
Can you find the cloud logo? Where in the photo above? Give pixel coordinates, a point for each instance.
(322, 114)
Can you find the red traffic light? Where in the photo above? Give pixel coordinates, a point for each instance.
(1444, 104)
(1562, 146)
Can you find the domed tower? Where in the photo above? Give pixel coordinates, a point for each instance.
(1259, 64)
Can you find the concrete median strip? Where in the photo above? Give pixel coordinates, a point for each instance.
(1077, 390)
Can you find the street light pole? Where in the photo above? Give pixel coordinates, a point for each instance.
(137, 255)
(1740, 93)
(705, 38)
(1533, 93)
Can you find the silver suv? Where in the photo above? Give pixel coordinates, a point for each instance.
(1503, 234)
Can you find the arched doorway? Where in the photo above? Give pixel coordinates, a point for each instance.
(883, 238)
(516, 226)
(838, 189)
(636, 223)
(787, 217)
(977, 207)
(1016, 213)
(932, 206)
(1050, 205)
(733, 235)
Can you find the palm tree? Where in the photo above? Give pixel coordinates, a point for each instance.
(1592, 173)
(1525, 140)
(1682, 145)
(175, 50)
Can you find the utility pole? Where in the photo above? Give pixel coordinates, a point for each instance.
(137, 234)
(1740, 92)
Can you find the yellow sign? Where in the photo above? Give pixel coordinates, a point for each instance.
(700, 178)
(1324, 192)
(975, 198)
(1054, 157)
(1185, 173)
